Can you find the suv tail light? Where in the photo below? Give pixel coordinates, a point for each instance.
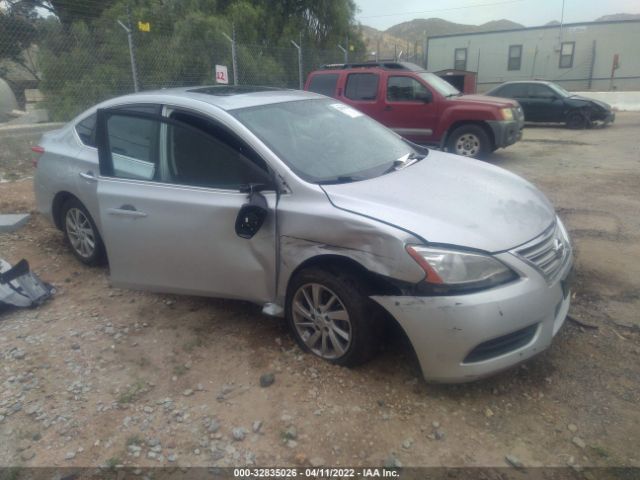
(38, 151)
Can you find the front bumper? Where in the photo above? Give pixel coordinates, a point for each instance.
(506, 132)
(446, 331)
(605, 117)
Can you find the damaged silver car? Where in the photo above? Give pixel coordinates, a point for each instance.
(318, 213)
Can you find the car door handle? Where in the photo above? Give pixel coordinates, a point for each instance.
(127, 211)
(89, 176)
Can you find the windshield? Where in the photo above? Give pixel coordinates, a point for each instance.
(443, 87)
(325, 141)
(559, 90)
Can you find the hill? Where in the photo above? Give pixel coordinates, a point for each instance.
(409, 37)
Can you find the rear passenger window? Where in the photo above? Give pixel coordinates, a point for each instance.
(362, 86)
(132, 141)
(325, 84)
(515, 90)
(86, 130)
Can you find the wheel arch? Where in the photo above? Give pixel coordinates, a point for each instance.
(461, 123)
(337, 264)
(59, 200)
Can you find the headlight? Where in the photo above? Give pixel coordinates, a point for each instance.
(449, 271)
(507, 113)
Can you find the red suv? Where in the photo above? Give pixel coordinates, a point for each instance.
(422, 107)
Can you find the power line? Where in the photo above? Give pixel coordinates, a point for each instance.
(444, 9)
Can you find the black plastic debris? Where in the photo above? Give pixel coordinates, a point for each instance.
(20, 287)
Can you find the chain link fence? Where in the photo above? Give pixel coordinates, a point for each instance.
(77, 66)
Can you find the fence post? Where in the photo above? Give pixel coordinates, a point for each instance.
(132, 55)
(346, 54)
(234, 60)
(300, 74)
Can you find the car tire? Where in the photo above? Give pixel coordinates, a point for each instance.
(348, 332)
(577, 120)
(469, 141)
(81, 233)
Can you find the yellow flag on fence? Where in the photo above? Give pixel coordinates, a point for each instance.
(144, 26)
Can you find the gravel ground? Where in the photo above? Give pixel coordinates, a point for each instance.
(102, 376)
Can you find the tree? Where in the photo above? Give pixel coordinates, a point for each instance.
(17, 35)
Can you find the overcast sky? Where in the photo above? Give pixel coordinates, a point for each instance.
(383, 14)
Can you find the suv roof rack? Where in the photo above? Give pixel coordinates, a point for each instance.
(386, 65)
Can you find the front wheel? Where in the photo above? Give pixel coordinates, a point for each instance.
(330, 315)
(469, 141)
(577, 120)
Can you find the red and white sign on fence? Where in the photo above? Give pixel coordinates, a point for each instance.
(221, 74)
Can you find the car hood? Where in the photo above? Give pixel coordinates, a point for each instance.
(604, 105)
(447, 199)
(485, 100)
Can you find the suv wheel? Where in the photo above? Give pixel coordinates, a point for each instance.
(81, 233)
(331, 316)
(469, 141)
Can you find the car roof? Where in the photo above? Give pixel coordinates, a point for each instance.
(541, 82)
(226, 97)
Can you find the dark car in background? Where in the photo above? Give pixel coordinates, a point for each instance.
(548, 102)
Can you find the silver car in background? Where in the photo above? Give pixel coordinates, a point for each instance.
(307, 207)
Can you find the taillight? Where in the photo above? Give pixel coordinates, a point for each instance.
(38, 150)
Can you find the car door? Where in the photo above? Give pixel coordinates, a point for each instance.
(544, 104)
(362, 91)
(409, 109)
(169, 194)
(518, 92)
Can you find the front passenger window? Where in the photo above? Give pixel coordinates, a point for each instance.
(405, 89)
(200, 154)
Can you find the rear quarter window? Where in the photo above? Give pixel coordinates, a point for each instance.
(324, 84)
(86, 130)
(362, 86)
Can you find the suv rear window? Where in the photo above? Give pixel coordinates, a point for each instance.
(362, 86)
(324, 84)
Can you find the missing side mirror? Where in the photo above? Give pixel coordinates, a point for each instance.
(252, 215)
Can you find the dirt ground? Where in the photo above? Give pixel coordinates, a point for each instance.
(101, 376)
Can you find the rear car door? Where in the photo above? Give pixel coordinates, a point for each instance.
(519, 92)
(169, 193)
(409, 108)
(362, 91)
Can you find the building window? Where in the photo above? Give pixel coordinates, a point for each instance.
(566, 54)
(515, 57)
(460, 59)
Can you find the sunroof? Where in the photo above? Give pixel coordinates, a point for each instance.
(226, 90)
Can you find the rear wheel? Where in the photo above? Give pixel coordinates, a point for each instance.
(330, 315)
(469, 141)
(81, 233)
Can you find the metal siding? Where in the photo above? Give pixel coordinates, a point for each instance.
(488, 54)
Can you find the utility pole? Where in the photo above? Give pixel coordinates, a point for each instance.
(132, 54)
(561, 24)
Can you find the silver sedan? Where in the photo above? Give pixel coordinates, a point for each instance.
(313, 210)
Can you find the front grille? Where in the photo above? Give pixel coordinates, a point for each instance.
(548, 253)
(501, 345)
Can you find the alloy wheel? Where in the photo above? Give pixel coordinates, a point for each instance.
(322, 321)
(467, 145)
(80, 232)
